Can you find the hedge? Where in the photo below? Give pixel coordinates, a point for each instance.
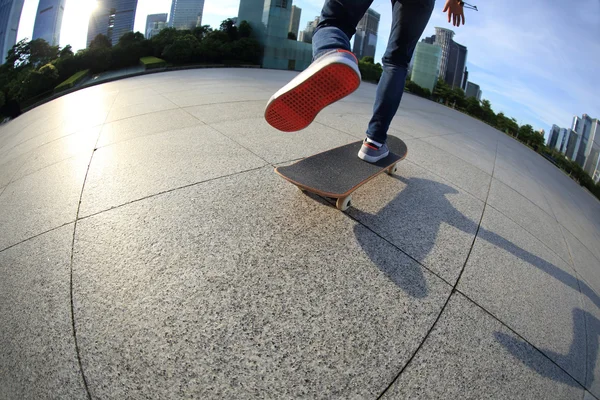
(153, 62)
(72, 81)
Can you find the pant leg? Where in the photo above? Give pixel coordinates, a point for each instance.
(409, 19)
(339, 19)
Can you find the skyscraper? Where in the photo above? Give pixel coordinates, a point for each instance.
(186, 14)
(112, 18)
(583, 126)
(48, 21)
(473, 90)
(270, 22)
(307, 34)
(151, 21)
(10, 15)
(295, 20)
(443, 38)
(457, 61)
(553, 136)
(426, 65)
(365, 39)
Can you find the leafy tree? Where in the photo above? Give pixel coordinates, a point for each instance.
(200, 32)
(182, 50)
(18, 56)
(525, 133)
(488, 114)
(245, 30)
(66, 51)
(457, 97)
(100, 42)
(41, 53)
(474, 108)
(228, 26)
(368, 60)
(441, 91)
(292, 36)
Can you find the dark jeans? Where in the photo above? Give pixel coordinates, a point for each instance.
(339, 19)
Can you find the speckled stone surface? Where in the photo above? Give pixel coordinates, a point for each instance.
(199, 273)
(145, 166)
(244, 288)
(427, 217)
(470, 355)
(41, 201)
(37, 352)
(515, 277)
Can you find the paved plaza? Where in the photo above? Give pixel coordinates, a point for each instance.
(149, 251)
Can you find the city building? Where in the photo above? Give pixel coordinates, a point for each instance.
(156, 28)
(365, 39)
(590, 150)
(270, 22)
(457, 61)
(10, 15)
(473, 90)
(152, 21)
(426, 65)
(454, 58)
(307, 34)
(48, 21)
(186, 14)
(553, 136)
(571, 144)
(112, 18)
(583, 126)
(295, 20)
(465, 79)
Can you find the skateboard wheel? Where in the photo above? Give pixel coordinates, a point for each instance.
(392, 170)
(343, 203)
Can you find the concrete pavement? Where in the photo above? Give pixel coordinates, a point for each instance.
(148, 250)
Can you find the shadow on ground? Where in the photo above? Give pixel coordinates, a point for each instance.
(428, 231)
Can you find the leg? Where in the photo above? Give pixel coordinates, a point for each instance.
(339, 19)
(410, 17)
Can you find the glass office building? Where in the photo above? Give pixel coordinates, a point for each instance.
(48, 21)
(152, 21)
(186, 14)
(270, 21)
(112, 18)
(10, 15)
(426, 65)
(365, 39)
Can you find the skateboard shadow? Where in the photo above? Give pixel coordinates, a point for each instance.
(412, 221)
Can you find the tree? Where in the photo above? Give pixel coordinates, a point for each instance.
(525, 133)
(292, 36)
(66, 51)
(368, 60)
(488, 114)
(457, 97)
(200, 32)
(41, 53)
(18, 56)
(228, 26)
(245, 30)
(474, 108)
(182, 50)
(441, 91)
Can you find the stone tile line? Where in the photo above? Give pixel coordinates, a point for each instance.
(581, 286)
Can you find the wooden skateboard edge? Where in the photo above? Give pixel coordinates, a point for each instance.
(336, 195)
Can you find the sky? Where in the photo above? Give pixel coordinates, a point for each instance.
(534, 60)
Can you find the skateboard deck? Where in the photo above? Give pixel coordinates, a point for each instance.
(338, 172)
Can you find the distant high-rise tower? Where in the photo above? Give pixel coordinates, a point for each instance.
(151, 23)
(270, 21)
(10, 15)
(443, 38)
(583, 126)
(112, 18)
(186, 14)
(295, 20)
(473, 90)
(307, 34)
(365, 39)
(457, 61)
(48, 21)
(426, 65)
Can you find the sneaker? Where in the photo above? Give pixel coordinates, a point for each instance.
(328, 79)
(373, 152)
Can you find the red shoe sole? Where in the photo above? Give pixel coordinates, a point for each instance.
(296, 109)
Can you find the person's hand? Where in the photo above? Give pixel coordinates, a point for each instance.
(455, 11)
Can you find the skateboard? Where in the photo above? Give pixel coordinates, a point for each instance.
(338, 172)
